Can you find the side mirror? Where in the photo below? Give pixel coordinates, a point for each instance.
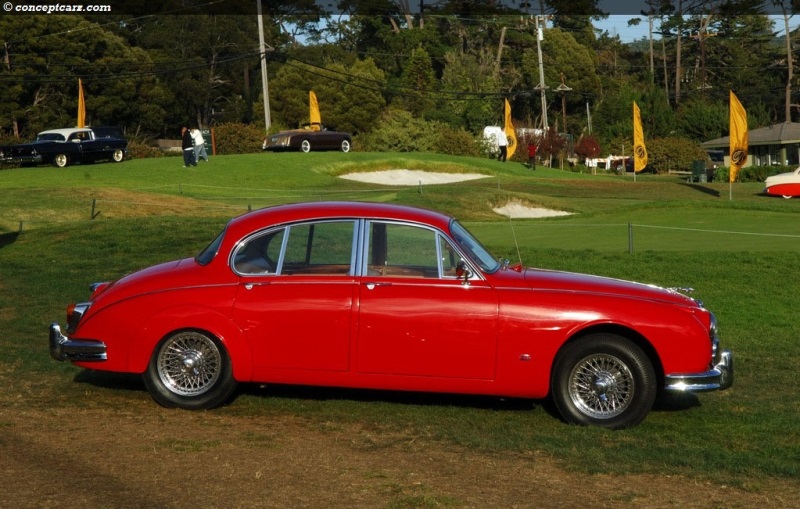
(463, 272)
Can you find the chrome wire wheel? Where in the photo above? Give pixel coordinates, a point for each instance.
(601, 386)
(189, 364)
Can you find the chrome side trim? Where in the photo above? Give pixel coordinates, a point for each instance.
(720, 377)
(64, 349)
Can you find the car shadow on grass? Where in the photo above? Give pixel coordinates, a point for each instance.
(107, 380)
(321, 394)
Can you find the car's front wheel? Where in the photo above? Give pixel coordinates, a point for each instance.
(345, 146)
(118, 155)
(190, 369)
(61, 160)
(305, 146)
(603, 380)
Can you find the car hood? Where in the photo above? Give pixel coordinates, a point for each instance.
(551, 280)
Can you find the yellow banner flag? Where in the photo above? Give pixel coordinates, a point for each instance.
(738, 136)
(511, 134)
(81, 106)
(639, 149)
(315, 119)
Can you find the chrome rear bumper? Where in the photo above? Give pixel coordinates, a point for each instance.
(63, 348)
(718, 378)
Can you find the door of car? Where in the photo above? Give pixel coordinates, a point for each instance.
(416, 316)
(295, 296)
(88, 150)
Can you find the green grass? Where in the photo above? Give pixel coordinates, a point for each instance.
(740, 255)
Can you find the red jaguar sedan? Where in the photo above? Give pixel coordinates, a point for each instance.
(378, 296)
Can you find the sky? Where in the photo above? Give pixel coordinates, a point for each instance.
(617, 24)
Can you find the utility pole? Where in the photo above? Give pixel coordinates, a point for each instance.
(541, 86)
(563, 89)
(262, 51)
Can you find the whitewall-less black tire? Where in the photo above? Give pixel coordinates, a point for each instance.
(190, 369)
(603, 380)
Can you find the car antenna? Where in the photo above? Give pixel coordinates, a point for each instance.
(514, 234)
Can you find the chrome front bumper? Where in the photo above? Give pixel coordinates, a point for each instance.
(718, 378)
(63, 348)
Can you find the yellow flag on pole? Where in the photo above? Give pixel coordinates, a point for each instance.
(81, 106)
(315, 119)
(508, 128)
(738, 136)
(639, 149)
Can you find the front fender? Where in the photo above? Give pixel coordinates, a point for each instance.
(178, 318)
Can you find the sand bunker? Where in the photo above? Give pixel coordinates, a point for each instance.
(411, 177)
(518, 210)
(418, 177)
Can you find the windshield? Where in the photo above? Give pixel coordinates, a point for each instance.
(474, 248)
(206, 255)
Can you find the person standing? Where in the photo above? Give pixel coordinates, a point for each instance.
(199, 146)
(532, 155)
(502, 144)
(187, 144)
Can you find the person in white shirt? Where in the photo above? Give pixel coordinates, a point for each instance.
(502, 143)
(199, 146)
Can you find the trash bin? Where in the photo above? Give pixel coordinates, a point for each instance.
(698, 171)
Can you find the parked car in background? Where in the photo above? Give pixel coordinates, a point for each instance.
(379, 296)
(306, 140)
(783, 184)
(63, 147)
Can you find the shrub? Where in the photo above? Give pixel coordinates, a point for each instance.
(458, 142)
(139, 150)
(399, 131)
(237, 138)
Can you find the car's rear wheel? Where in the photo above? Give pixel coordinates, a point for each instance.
(61, 160)
(345, 146)
(305, 146)
(603, 380)
(118, 156)
(787, 196)
(190, 369)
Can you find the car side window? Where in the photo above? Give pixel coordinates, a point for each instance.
(324, 247)
(400, 250)
(259, 254)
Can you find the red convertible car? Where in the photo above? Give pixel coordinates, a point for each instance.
(390, 297)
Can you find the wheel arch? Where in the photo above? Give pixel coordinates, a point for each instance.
(620, 330)
(205, 320)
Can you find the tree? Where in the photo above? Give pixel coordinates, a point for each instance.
(587, 147)
(44, 60)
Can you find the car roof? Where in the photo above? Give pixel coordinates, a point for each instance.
(280, 214)
(66, 131)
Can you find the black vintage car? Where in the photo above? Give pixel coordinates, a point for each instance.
(307, 140)
(63, 147)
